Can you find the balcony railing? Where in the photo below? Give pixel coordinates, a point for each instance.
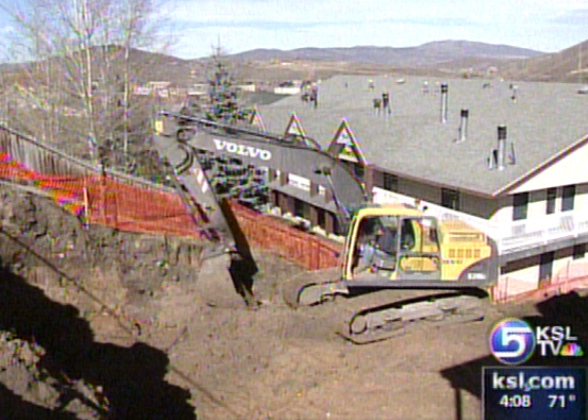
(510, 236)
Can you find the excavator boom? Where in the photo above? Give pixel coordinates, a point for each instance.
(264, 150)
(179, 140)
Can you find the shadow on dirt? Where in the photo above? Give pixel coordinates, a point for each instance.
(14, 407)
(565, 310)
(132, 378)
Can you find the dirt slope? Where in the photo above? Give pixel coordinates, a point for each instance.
(134, 328)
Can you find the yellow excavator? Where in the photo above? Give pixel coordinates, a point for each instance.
(386, 246)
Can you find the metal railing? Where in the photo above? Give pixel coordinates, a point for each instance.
(510, 236)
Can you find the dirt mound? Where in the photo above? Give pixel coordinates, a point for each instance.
(142, 262)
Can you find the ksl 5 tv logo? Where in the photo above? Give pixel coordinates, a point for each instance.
(513, 341)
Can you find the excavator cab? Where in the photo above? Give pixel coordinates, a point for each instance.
(398, 247)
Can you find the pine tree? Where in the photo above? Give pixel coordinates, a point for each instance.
(222, 92)
(236, 180)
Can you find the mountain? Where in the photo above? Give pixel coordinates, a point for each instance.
(271, 66)
(569, 65)
(148, 66)
(426, 55)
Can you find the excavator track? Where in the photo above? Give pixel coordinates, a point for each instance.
(311, 288)
(383, 323)
(384, 314)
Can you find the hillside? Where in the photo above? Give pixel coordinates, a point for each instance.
(271, 66)
(569, 65)
(426, 55)
(148, 65)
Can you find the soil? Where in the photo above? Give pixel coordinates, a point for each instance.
(102, 324)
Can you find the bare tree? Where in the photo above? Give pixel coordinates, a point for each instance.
(79, 67)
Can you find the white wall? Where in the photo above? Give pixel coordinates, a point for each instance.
(568, 170)
(537, 207)
(287, 90)
(503, 213)
(523, 275)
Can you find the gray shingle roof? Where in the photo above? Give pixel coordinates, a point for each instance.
(545, 119)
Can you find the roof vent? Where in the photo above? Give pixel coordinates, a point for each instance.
(463, 126)
(499, 157)
(444, 94)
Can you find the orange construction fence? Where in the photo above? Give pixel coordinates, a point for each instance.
(101, 200)
(269, 233)
(138, 208)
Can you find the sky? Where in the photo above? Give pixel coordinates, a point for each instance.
(241, 25)
(197, 25)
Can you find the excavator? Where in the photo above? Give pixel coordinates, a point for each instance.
(387, 247)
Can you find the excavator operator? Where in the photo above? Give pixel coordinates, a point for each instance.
(377, 244)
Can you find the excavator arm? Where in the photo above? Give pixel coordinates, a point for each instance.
(179, 139)
(251, 147)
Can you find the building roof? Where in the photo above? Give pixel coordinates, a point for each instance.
(543, 121)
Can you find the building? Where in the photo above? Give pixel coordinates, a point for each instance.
(529, 191)
(247, 87)
(292, 87)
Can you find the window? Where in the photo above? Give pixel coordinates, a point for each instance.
(567, 197)
(321, 218)
(520, 203)
(390, 182)
(300, 208)
(546, 267)
(551, 195)
(450, 198)
(579, 251)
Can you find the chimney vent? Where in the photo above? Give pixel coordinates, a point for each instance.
(498, 157)
(463, 126)
(501, 147)
(444, 93)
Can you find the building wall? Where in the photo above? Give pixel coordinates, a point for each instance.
(581, 200)
(478, 206)
(568, 170)
(537, 206)
(468, 203)
(419, 190)
(287, 90)
(523, 274)
(250, 87)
